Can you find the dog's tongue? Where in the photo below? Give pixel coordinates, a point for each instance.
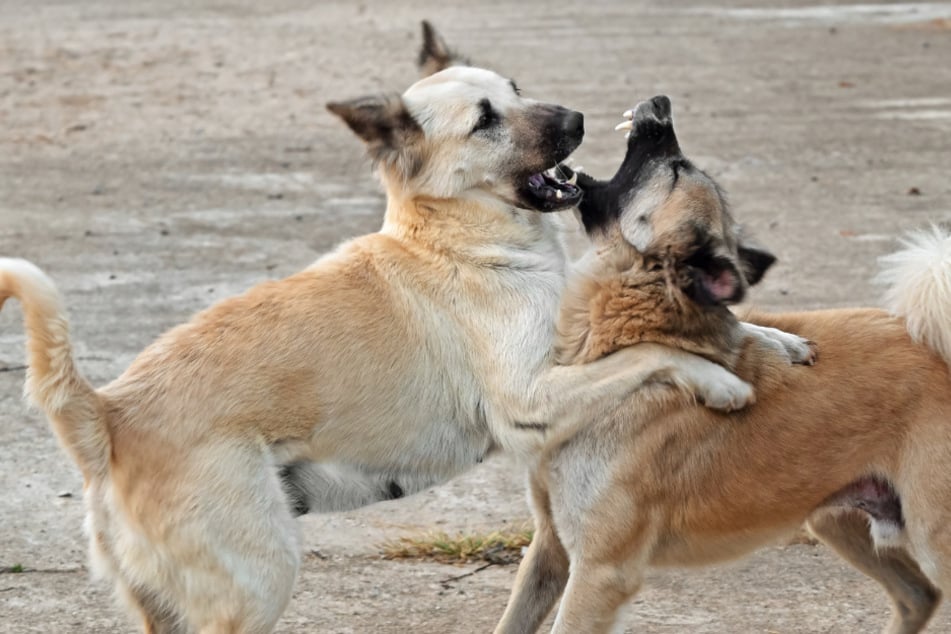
(537, 180)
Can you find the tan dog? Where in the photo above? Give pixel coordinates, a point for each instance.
(399, 360)
(857, 445)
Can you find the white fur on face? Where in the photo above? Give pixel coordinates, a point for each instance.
(638, 209)
(447, 107)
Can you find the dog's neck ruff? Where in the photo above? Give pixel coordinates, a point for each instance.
(479, 230)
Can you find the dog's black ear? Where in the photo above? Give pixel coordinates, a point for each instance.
(754, 262)
(435, 55)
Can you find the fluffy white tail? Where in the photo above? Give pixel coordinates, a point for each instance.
(919, 287)
(53, 382)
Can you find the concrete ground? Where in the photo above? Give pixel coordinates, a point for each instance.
(156, 156)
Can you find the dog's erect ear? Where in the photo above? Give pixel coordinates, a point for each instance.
(754, 262)
(383, 122)
(387, 128)
(435, 55)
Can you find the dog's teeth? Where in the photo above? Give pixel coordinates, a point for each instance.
(625, 125)
(559, 194)
(628, 114)
(627, 136)
(574, 179)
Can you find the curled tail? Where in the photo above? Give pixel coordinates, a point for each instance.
(53, 383)
(919, 287)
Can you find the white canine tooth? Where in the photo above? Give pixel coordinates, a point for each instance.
(573, 180)
(559, 194)
(627, 136)
(628, 114)
(625, 125)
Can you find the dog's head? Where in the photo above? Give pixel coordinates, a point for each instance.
(467, 132)
(672, 213)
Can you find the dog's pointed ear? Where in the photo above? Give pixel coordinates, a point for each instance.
(754, 262)
(382, 121)
(435, 55)
(387, 128)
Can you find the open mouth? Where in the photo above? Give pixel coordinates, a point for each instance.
(551, 190)
(714, 281)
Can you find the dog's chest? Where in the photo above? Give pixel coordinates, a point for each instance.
(578, 474)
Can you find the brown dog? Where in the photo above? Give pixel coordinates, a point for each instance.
(858, 445)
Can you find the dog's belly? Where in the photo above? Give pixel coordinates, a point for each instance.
(402, 463)
(702, 550)
(873, 496)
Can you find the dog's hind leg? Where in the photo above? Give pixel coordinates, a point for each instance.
(228, 560)
(157, 617)
(914, 597)
(542, 574)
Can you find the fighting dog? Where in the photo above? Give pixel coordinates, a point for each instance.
(402, 358)
(333, 486)
(856, 446)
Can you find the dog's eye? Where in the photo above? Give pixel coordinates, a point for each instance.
(487, 118)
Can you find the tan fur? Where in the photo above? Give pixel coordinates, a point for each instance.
(627, 298)
(402, 357)
(662, 482)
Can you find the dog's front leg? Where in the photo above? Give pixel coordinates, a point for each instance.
(563, 399)
(798, 350)
(603, 578)
(543, 573)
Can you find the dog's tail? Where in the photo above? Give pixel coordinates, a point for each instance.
(919, 287)
(53, 383)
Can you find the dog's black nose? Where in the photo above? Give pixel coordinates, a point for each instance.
(573, 124)
(656, 110)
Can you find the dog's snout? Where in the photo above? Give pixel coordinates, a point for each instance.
(656, 109)
(555, 133)
(573, 124)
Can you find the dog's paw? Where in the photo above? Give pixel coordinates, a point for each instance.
(796, 349)
(725, 392)
(810, 356)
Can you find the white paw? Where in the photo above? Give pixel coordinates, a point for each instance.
(797, 350)
(801, 351)
(725, 392)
